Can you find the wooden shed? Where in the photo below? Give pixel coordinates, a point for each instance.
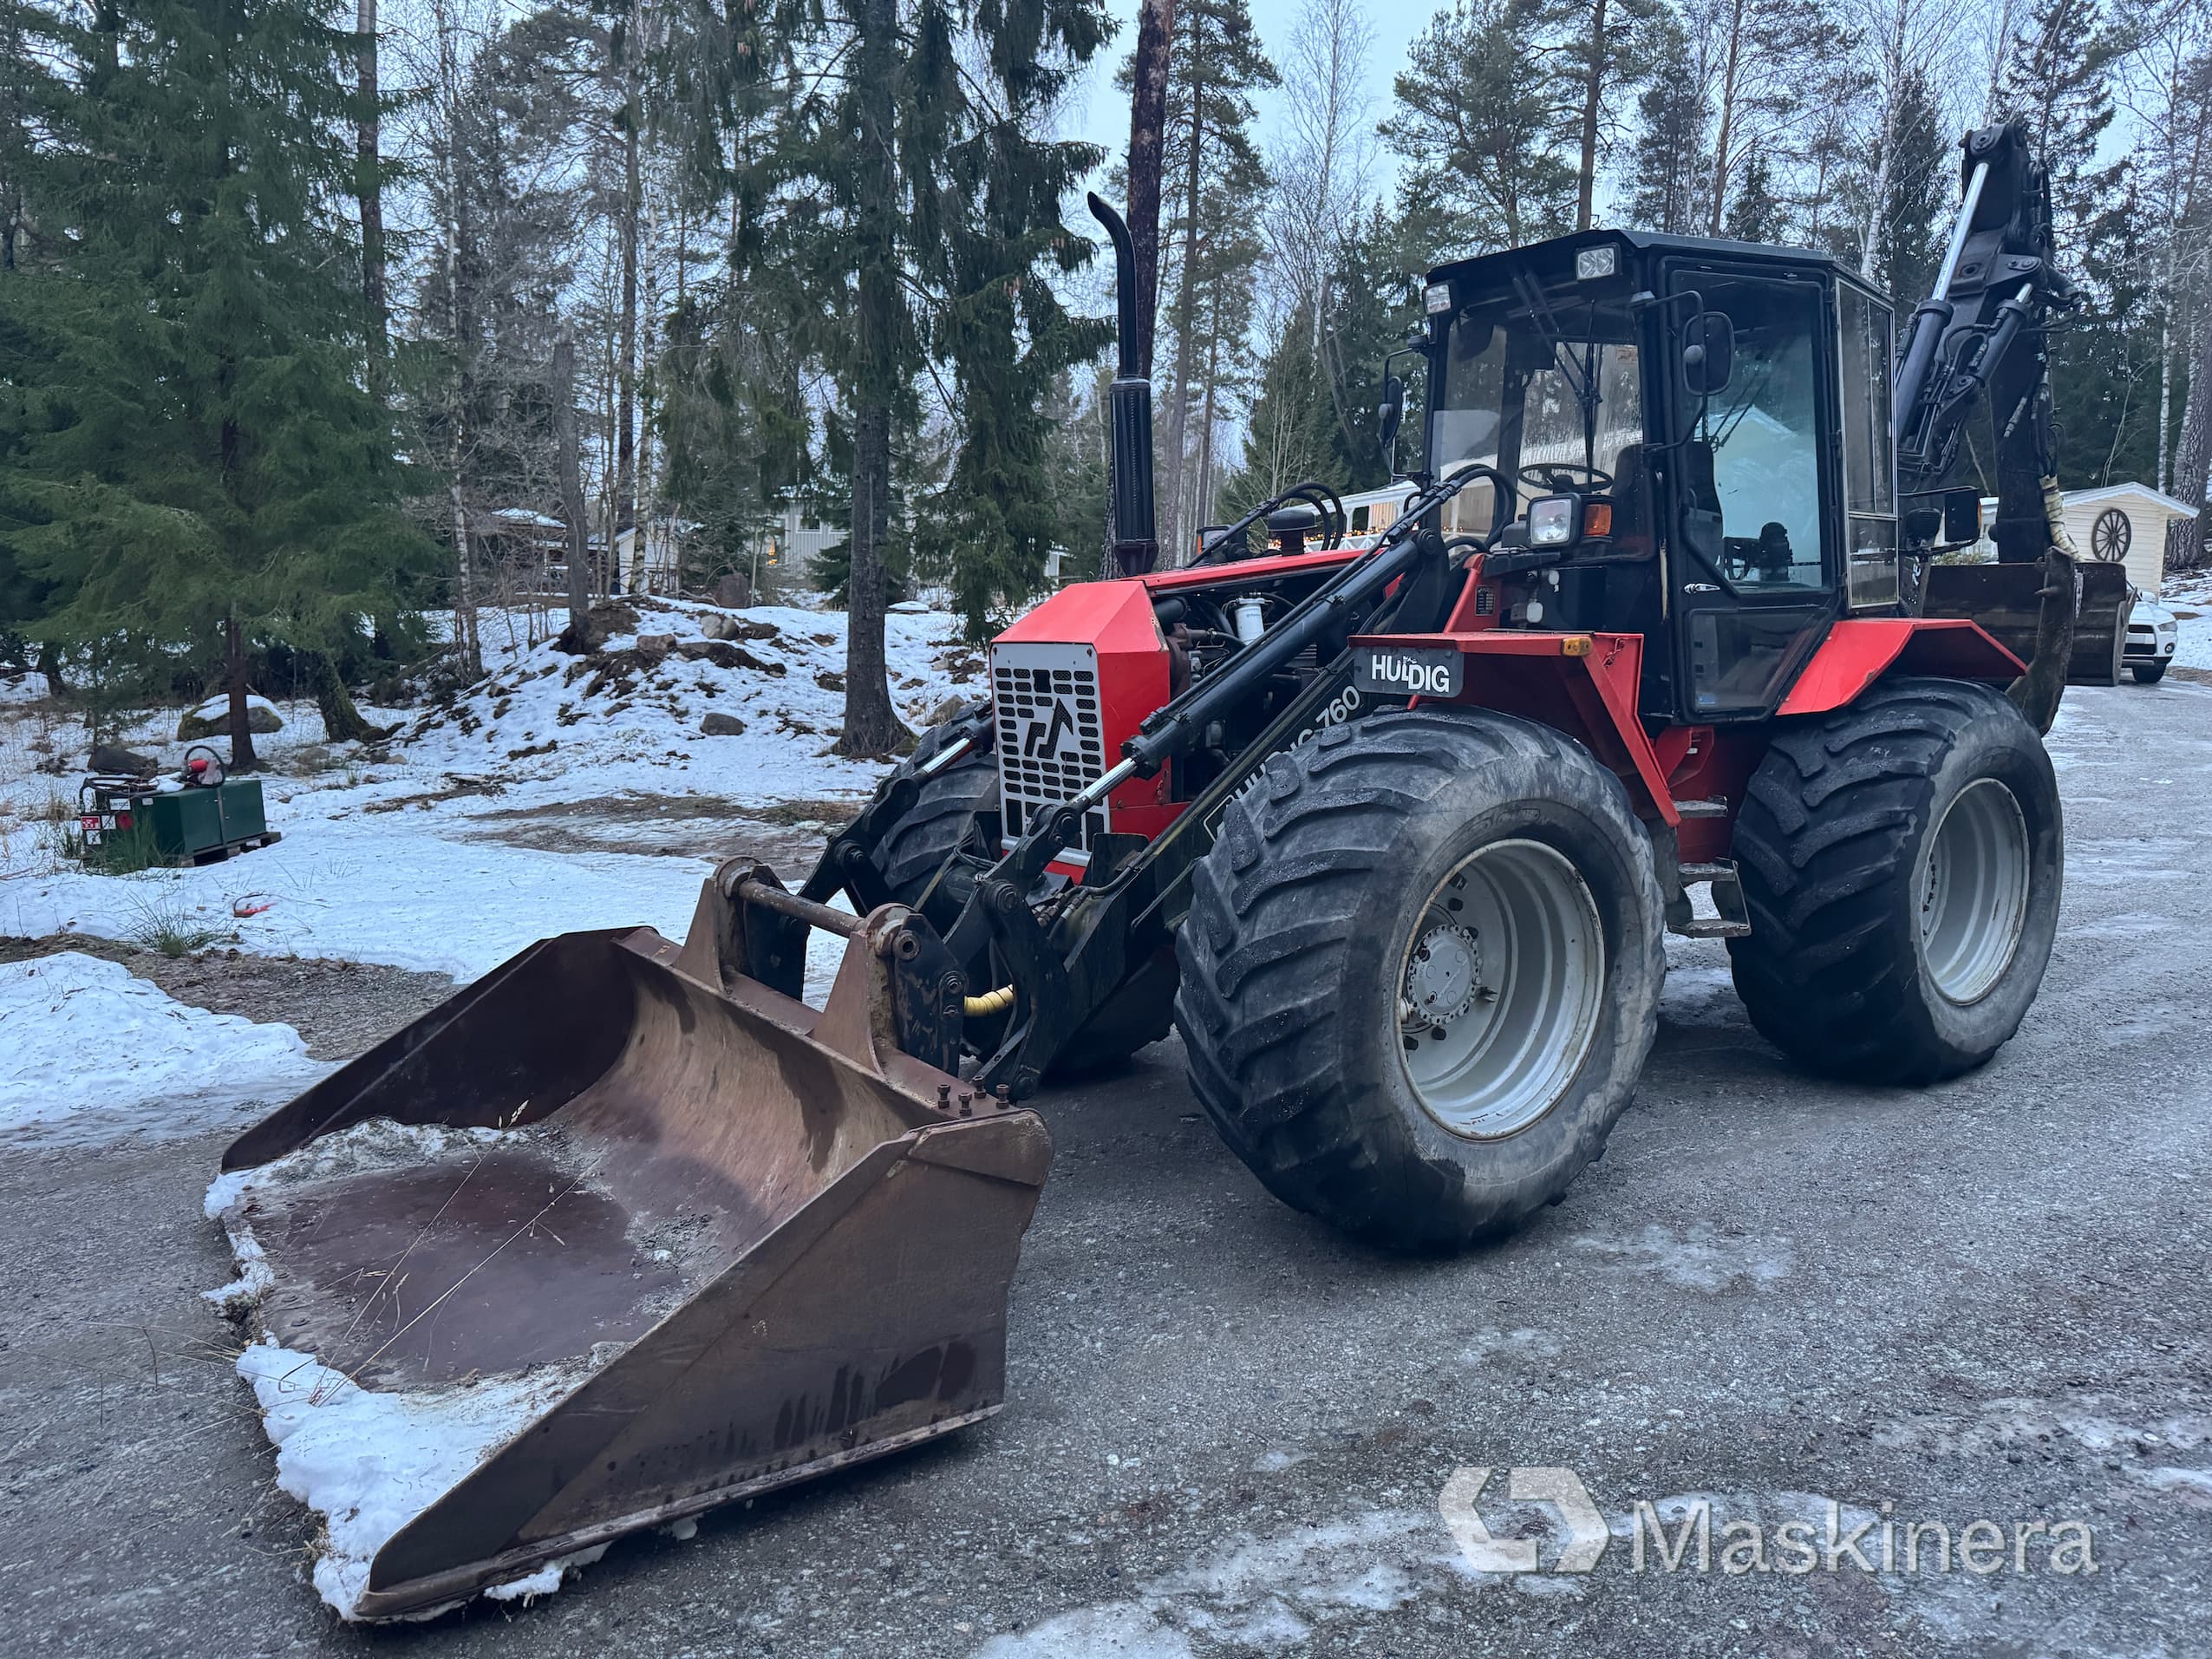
(2124, 522)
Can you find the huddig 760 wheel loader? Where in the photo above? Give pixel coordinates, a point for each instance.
(1392, 834)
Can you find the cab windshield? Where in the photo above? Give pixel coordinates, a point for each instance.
(1541, 380)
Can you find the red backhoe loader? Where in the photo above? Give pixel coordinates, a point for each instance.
(1392, 836)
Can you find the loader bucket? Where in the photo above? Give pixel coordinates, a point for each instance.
(2008, 600)
(736, 1243)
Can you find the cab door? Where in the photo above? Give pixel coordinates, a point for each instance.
(1755, 559)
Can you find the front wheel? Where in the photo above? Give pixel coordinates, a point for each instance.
(1420, 972)
(2147, 673)
(1902, 860)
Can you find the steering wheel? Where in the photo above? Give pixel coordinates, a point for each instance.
(1540, 475)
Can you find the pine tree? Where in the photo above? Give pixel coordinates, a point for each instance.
(1668, 159)
(1476, 125)
(197, 465)
(1214, 183)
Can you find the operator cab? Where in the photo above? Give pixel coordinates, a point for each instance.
(1668, 410)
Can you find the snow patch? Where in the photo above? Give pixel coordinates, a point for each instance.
(1697, 1259)
(368, 1463)
(526, 806)
(1265, 1594)
(90, 1053)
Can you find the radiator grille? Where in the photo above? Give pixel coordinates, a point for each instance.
(1050, 741)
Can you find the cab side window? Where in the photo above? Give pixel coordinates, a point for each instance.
(1755, 458)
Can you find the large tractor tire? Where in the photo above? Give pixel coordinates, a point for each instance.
(1420, 972)
(1901, 859)
(914, 851)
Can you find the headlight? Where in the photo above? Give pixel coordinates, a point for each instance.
(1552, 520)
(1590, 263)
(2169, 627)
(1436, 299)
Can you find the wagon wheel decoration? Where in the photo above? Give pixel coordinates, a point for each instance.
(2109, 536)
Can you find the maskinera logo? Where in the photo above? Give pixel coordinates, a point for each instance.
(1682, 1533)
(1385, 668)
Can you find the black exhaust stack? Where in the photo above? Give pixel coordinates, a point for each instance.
(1129, 408)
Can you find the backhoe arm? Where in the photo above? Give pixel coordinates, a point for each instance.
(1981, 333)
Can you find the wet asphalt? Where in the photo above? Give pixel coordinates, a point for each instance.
(1230, 1430)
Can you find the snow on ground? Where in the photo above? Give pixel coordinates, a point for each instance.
(89, 1052)
(530, 805)
(2189, 596)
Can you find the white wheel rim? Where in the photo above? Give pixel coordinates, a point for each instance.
(1972, 891)
(1498, 990)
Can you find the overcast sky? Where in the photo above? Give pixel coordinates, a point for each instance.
(1105, 119)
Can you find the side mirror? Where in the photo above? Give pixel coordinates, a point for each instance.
(1962, 515)
(1389, 416)
(1708, 353)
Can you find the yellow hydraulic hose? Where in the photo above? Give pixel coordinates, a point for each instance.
(996, 1002)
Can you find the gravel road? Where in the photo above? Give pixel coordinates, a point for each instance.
(1230, 1430)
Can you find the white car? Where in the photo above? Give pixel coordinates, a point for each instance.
(2152, 634)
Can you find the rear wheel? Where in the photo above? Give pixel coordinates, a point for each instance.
(2147, 673)
(1420, 972)
(917, 850)
(1901, 859)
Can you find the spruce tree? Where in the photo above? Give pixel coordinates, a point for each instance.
(197, 464)
(920, 213)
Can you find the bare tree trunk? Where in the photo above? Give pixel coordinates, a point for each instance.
(626, 370)
(1726, 134)
(871, 724)
(1593, 91)
(1202, 502)
(571, 466)
(369, 187)
(1877, 207)
(464, 635)
(1147, 137)
(2193, 457)
(243, 758)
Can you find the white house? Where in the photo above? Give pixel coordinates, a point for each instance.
(2124, 523)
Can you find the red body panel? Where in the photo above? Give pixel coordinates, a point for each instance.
(1199, 576)
(1109, 626)
(1583, 684)
(1859, 651)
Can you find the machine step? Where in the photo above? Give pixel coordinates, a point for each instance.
(1713, 927)
(1713, 809)
(1732, 920)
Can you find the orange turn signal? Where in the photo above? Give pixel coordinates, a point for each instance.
(1597, 519)
(1575, 645)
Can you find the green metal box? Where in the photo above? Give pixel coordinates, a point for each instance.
(194, 825)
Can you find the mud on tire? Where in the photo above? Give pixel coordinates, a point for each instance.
(1901, 859)
(1299, 948)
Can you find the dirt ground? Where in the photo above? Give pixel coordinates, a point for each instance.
(1228, 1429)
